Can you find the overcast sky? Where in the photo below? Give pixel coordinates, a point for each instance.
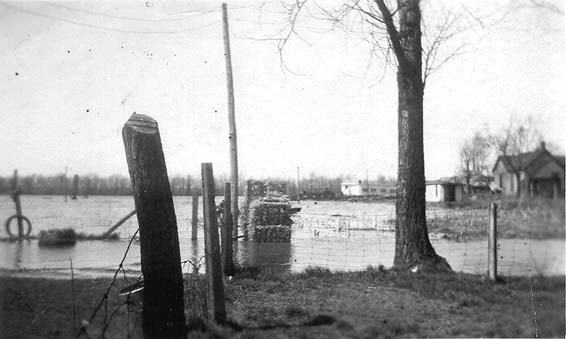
(71, 74)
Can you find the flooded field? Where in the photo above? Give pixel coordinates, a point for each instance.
(333, 234)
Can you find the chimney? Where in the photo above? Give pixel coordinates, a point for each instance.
(542, 146)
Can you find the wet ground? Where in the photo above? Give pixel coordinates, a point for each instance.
(336, 235)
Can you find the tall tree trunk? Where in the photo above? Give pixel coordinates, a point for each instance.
(412, 245)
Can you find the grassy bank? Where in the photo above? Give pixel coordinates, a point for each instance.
(533, 219)
(315, 304)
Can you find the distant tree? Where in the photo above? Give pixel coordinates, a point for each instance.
(28, 184)
(86, 187)
(75, 188)
(474, 155)
(189, 186)
(520, 135)
(4, 185)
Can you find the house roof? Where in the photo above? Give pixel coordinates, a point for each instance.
(480, 180)
(371, 183)
(520, 162)
(445, 181)
(560, 159)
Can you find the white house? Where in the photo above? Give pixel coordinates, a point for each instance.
(360, 188)
(444, 190)
(537, 173)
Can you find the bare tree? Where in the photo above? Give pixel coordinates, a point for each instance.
(519, 136)
(363, 20)
(549, 6)
(395, 33)
(474, 155)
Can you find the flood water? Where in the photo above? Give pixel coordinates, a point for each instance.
(332, 234)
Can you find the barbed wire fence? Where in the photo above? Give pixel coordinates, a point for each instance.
(335, 241)
(330, 241)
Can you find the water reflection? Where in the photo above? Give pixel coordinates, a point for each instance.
(330, 248)
(273, 255)
(19, 250)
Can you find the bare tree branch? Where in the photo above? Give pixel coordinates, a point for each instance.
(293, 12)
(546, 5)
(392, 31)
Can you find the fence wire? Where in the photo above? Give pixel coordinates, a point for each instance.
(335, 237)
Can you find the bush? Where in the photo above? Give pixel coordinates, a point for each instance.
(57, 237)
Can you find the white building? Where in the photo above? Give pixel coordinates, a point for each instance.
(444, 191)
(360, 188)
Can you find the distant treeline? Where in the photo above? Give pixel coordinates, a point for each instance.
(93, 184)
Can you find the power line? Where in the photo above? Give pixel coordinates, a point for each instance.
(125, 17)
(118, 30)
(216, 10)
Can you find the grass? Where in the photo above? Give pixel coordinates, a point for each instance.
(526, 218)
(318, 303)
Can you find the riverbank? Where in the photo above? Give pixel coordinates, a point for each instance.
(314, 304)
(524, 219)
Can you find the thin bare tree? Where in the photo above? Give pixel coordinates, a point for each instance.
(474, 155)
(518, 137)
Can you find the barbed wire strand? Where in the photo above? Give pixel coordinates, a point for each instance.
(104, 298)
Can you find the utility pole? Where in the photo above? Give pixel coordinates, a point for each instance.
(66, 183)
(298, 186)
(232, 122)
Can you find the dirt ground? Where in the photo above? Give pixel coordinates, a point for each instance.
(374, 303)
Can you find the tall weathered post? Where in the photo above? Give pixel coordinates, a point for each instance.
(194, 220)
(163, 309)
(227, 234)
(492, 243)
(231, 121)
(215, 280)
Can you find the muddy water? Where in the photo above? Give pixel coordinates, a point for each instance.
(336, 235)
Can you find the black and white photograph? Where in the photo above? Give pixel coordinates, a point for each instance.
(282, 169)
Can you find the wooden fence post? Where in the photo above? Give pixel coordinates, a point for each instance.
(194, 220)
(16, 196)
(227, 234)
(19, 214)
(492, 243)
(163, 309)
(216, 306)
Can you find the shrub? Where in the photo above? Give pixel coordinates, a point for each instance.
(57, 237)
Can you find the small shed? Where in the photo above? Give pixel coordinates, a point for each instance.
(444, 191)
